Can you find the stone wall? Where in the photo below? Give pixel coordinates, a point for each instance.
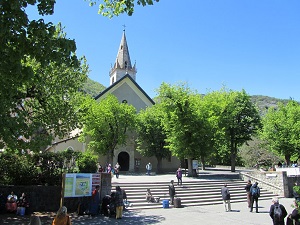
(44, 198)
(276, 181)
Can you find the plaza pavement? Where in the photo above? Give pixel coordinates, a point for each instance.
(209, 215)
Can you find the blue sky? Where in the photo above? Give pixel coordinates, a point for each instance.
(241, 44)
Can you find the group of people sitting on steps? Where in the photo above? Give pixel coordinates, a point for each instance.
(14, 204)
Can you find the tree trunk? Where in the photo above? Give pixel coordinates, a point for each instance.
(110, 157)
(233, 156)
(287, 159)
(159, 165)
(190, 167)
(203, 162)
(182, 163)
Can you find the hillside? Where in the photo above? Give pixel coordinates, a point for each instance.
(93, 88)
(263, 103)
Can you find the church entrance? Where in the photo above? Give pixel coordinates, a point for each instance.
(123, 160)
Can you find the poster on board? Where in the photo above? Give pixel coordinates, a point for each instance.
(78, 185)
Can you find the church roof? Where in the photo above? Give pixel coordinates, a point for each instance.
(119, 81)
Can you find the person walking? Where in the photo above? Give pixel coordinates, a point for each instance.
(179, 176)
(226, 198)
(247, 188)
(149, 168)
(117, 170)
(277, 212)
(295, 215)
(119, 202)
(255, 194)
(172, 192)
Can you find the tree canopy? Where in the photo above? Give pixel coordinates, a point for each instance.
(151, 135)
(189, 134)
(106, 124)
(110, 8)
(281, 129)
(39, 73)
(237, 117)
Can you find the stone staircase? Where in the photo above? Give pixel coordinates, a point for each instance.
(192, 193)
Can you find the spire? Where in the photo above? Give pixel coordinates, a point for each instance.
(122, 64)
(123, 58)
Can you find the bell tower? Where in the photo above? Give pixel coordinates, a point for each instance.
(122, 65)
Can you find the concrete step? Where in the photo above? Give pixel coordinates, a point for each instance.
(192, 193)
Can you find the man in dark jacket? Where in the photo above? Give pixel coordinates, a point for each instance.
(119, 202)
(172, 192)
(255, 193)
(277, 212)
(226, 198)
(295, 214)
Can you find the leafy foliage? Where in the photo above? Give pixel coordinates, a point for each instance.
(87, 162)
(43, 168)
(16, 169)
(151, 139)
(110, 8)
(39, 73)
(281, 129)
(106, 124)
(237, 119)
(189, 132)
(255, 153)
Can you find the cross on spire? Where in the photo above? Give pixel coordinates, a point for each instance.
(124, 27)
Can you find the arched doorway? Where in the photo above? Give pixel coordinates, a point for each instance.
(123, 160)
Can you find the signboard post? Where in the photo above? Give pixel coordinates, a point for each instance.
(62, 189)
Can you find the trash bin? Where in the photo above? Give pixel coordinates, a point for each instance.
(165, 203)
(177, 203)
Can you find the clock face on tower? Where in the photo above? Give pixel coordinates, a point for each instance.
(124, 101)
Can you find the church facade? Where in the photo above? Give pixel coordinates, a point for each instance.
(123, 85)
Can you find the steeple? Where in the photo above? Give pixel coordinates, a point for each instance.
(122, 65)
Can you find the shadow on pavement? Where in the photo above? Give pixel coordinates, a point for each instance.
(129, 218)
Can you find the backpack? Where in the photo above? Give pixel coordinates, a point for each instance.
(277, 212)
(254, 192)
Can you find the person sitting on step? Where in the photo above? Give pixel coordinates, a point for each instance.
(150, 198)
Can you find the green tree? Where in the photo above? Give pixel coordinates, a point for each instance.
(106, 124)
(16, 169)
(151, 139)
(238, 119)
(256, 153)
(39, 72)
(87, 162)
(187, 128)
(112, 8)
(281, 129)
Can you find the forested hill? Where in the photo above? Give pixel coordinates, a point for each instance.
(265, 102)
(93, 88)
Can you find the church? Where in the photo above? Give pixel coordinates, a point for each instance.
(123, 85)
